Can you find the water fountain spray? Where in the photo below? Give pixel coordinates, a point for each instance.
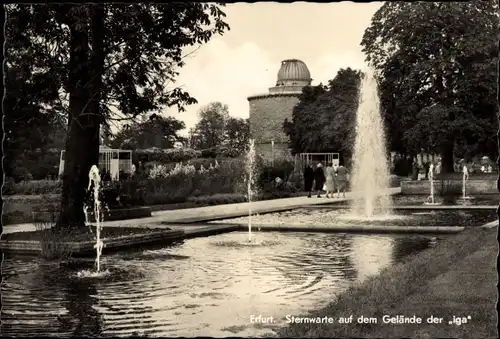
(250, 168)
(431, 198)
(371, 177)
(465, 177)
(95, 178)
(431, 179)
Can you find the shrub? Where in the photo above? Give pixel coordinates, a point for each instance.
(165, 155)
(171, 183)
(278, 194)
(268, 173)
(230, 153)
(449, 189)
(48, 206)
(183, 181)
(209, 153)
(16, 217)
(54, 242)
(32, 187)
(223, 161)
(34, 165)
(21, 173)
(8, 186)
(233, 198)
(218, 199)
(296, 179)
(402, 167)
(395, 181)
(119, 194)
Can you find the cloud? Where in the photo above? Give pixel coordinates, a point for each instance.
(218, 73)
(245, 60)
(326, 67)
(229, 75)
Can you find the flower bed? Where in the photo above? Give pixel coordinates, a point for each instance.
(78, 234)
(199, 183)
(32, 187)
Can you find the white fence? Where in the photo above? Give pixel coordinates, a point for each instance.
(112, 161)
(313, 158)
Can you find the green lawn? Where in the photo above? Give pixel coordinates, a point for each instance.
(456, 278)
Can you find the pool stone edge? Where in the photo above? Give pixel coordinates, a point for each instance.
(84, 248)
(113, 244)
(353, 229)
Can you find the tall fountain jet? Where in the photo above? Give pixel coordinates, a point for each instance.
(95, 178)
(371, 176)
(431, 199)
(465, 177)
(250, 180)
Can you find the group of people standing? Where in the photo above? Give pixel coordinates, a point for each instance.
(333, 179)
(421, 172)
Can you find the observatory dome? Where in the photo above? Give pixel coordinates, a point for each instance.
(293, 72)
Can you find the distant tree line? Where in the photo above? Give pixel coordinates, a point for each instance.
(218, 132)
(77, 61)
(436, 64)
(323, 120)
(215, 134)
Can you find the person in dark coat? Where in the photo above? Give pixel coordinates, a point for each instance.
(415, 169)
(427, 165)
(319, 178)
(308, 179)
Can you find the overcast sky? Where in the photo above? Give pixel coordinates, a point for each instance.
(245, 61)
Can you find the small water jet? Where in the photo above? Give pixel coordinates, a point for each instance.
(250, 180)
(252, 243)
(465, 177)
(95, 180)
(93, 274)
(431, 199)
(371, 177)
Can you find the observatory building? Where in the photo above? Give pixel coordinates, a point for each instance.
(268, 111)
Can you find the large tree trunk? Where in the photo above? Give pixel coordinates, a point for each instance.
(447, 158)
(97, 61)
(97, 65)
(82, 143)
(498, 154)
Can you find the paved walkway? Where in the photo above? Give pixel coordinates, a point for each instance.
(31, 196)
(422, 207)
(217, 211)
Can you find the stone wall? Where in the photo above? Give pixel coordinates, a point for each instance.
(473, 186)
(267, 114)
(288, 88)
(281, 151)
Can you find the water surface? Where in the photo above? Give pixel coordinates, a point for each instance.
(489, 200)
(341, 217)
(202, 287)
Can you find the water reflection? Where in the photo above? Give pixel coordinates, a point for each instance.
(82, 318)
(342, 217)
(490, 200)
(42, 299)
(371, 254)
(192, 289)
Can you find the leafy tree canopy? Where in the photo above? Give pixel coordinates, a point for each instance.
(210, 129)
(216, 129)
(142, 48)
(323, 120)
(237, 134)
(156, 131)
(437, 69)
(87, 58)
